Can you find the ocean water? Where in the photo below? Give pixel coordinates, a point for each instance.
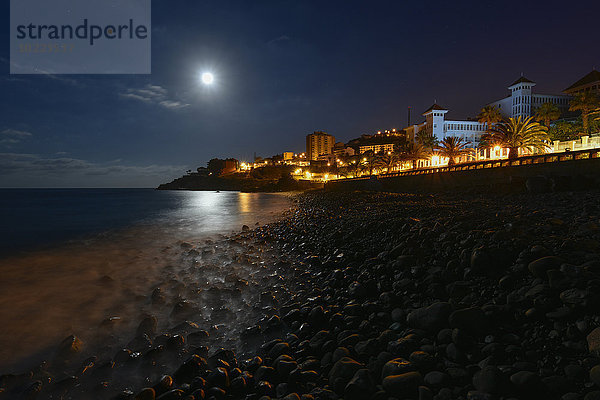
(72, 259)
(32, 218)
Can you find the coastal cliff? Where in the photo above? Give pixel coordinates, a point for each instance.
(238, 182)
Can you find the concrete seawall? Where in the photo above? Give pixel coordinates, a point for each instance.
(558, 176)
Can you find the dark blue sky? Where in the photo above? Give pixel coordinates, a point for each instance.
(283, 69)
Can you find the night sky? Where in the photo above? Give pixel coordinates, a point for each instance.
(282, 70)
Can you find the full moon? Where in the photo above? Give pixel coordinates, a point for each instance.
(207, 78)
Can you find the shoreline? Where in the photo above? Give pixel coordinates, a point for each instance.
(406, 296)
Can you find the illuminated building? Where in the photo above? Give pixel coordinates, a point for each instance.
(318, 143)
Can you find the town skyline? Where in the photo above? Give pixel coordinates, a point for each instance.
(125, 131)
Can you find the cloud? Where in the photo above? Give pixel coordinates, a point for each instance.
(9, 137)
(15, 132)
(154, 94)
(56, 77)
(36, 163)
(34, 170)
(280, 39)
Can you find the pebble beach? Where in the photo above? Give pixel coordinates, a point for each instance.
(363, 296)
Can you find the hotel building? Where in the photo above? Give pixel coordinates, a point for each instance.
(376, 148)
(318, 143)
(521, 102)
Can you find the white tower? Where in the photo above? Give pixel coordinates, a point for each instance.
(434, 119)
(520, 92)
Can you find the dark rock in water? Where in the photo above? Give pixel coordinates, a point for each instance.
(342, 372)
(157, 296)
(146, 394)
(430, 318)
(422, 360)
(245, 228)
(316, 317)
(340, 353)
(454, 353)
(70, 346)
(595, 395)
(31, 391)
(396, 366)
(574, 296)
(264, 388)
(219, 377)
(528, 383)
(265, 373)
(360, 386)
(595, 375)
(541, 266)
(279, 349)
(471, 319)
(284, 367)
(147, 326)
(425, 393)
(191, 368)
(490, 380)
(197, 338)
(481, 259)
(164, 385)
(357, 290)
(182, 308)
(319, 339)
(573, 371)
(437, 379)
(475, 395)
(216, 393)
(593, 340)
(140, 343)
(404, 385)
(238, 386)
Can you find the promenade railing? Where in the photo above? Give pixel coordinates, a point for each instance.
(525, 160)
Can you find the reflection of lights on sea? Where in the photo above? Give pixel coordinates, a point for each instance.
(244, 202)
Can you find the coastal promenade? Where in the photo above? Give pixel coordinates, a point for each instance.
(559, 171)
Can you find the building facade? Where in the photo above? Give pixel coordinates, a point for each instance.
(523, 102)
(377, 148)
(318, 143)
(590, 82)
(436, 124)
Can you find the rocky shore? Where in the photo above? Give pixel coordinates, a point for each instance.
(380, 296)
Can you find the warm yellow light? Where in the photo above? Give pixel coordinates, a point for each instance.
(298, 171)
(365, 159)
(497, 148)
(326, 176)
(328, 164)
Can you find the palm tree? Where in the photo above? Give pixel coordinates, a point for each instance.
(355, 165)
(453, 147)
(546, 113)
(585, 102)
(489, 115)
(518, 133)
(369, 160)
(388, 160)
(413, 152)
(426, 139)
(596, 114)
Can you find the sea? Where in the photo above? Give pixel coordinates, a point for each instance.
(72, 259)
